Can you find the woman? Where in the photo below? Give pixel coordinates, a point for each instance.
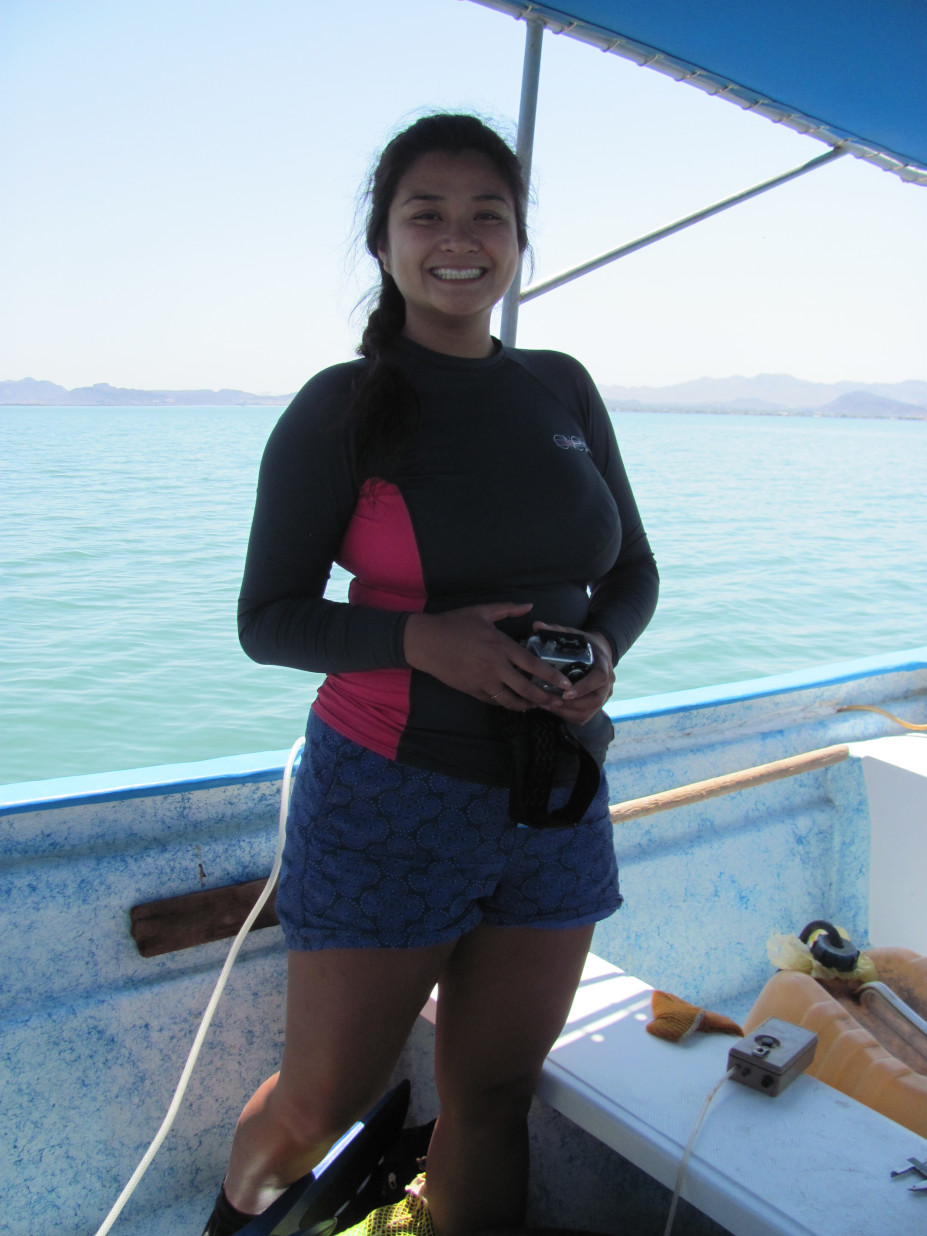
(476, 495)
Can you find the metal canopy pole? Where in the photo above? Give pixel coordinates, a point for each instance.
(527, 112)
(612, 256)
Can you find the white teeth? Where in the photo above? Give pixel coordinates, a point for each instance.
(450, 272)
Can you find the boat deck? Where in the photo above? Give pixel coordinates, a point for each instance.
(93, 1036)
(760, 1166)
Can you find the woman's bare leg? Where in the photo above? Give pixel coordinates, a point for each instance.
(503, 999)
(349, 1012)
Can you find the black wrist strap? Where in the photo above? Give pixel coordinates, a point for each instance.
(536, 738)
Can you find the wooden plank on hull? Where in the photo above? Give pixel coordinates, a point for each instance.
(190, 919)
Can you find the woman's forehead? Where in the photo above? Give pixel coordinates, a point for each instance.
(440, 174)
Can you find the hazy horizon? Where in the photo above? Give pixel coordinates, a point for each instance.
(182, 182)
(763, 381)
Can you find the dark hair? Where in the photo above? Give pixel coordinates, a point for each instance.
(384, 407)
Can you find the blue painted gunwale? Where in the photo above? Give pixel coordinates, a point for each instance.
(267, 766)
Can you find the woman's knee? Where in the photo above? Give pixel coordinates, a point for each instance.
(496, 1101)
(311, 1121)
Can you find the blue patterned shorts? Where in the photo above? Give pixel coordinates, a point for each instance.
(382, 855)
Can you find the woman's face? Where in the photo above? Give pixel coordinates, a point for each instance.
(451, 246)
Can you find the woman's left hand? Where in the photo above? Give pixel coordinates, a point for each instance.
(586, 697)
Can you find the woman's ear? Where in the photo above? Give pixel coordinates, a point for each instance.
(383, 255)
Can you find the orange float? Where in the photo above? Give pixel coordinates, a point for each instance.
(872, 1036)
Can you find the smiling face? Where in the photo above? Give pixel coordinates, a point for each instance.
(451, 247)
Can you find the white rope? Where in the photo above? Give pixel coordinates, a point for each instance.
(212, 1005)
(684, 1161)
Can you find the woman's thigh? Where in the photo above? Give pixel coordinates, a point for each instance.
(348, 1014)
(503, 999)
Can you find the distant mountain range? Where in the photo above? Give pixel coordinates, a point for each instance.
(776, 394)
(773, 394)
(27, 391)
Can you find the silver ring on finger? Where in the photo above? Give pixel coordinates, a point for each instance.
(493, 698)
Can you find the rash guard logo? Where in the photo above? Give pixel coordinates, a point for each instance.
(574, 443)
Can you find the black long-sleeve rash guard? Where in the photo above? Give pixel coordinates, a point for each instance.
(511, 489)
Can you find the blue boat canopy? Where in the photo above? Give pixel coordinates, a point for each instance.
(850, 73)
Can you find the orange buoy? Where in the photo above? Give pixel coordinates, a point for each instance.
(866, 1048)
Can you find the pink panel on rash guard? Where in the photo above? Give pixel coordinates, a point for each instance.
(380, 551)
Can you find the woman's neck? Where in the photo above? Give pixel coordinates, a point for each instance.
(452, 339)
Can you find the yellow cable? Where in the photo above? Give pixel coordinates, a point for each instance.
(908, 725)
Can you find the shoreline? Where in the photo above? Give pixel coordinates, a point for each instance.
(916, 413)
(615, 407)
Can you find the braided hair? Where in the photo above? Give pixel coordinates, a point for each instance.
(384, 408)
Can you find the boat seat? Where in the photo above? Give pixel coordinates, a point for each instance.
(760, 1165)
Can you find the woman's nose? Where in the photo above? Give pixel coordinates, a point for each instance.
(459, 235)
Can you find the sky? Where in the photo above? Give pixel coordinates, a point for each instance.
(182, 182)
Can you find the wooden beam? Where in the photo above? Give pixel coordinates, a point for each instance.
(218, 913)
(699, 791)
(197, 918)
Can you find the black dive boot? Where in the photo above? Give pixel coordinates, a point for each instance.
(225, 1220)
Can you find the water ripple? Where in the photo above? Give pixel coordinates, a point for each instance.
(782, 543)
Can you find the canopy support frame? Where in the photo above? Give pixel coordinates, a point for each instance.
(671, 229)
(527, 116)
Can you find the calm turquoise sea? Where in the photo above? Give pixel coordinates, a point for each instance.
(782, 543)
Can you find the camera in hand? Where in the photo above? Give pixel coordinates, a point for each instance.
(570, 654)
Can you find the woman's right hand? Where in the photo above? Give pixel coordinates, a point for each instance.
(464, 649)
